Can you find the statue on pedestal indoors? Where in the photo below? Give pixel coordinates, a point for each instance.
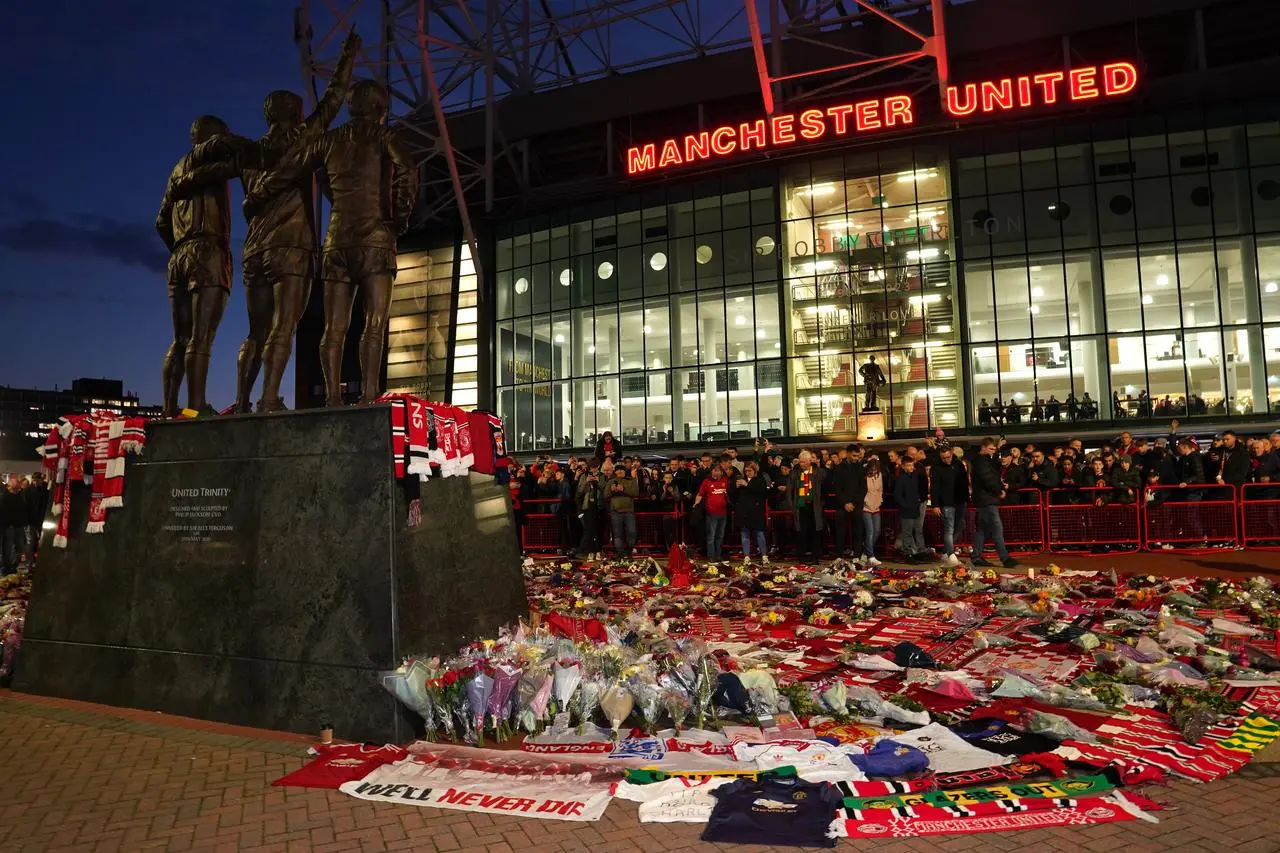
(280, 244)
(365, 221)
(872, 380)
(195, 224)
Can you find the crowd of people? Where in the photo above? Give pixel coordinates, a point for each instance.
(23, 502)
(720, 493)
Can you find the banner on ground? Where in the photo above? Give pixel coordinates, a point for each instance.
(559, 797)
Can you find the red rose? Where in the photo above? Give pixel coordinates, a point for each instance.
(450, 677)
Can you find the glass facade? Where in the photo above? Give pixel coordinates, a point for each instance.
(656, 319)
(432, 298)
(1120, 271)
(1108, 271)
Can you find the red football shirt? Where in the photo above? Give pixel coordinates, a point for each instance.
(715, 494)
(340, 763)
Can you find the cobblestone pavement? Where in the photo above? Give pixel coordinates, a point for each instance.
(82, 778)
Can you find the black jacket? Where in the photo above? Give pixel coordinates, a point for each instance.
(1125, 484)
(752, 503)
(1191, 468)
(1015, 480)
(15, 511)
(1046, 476)
(948, 484)
(849, 484)
(909, 491)
(1236, 466)
(986, 480)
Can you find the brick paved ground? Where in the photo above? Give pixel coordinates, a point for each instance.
(80, 777)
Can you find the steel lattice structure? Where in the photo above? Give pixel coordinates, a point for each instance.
(444, 58)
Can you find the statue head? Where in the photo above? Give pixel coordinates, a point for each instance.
(207, 127)
(282, 109)
(873, 358)
(368, 100)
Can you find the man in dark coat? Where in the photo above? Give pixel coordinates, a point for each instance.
(988, 492)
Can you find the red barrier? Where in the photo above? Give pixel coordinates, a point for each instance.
(540, 532)
(1197, 518)
(1083, 521)
(1023, 527)
(1260, 516)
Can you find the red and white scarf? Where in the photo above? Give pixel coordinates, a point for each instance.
(92, 449)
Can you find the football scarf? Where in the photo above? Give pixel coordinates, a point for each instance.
(1256, 732)
(966, 798)
(1000, 816)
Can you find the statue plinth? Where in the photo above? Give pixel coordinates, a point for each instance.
(871, 426)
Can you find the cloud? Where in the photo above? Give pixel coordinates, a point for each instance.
(32, 295)
(128, 243)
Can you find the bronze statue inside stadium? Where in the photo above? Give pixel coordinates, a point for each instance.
(872, 381)
(360, 245)
(280, 244)
(195, 224)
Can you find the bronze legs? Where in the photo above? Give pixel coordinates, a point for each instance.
(196, 314)
(260, 299)
(339, 296)
(290, 298)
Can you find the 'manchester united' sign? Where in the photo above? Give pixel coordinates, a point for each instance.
(987, 97)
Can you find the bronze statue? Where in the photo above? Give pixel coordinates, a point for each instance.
(360, 244)
(280, 245)
(195, 224)
(872, 380)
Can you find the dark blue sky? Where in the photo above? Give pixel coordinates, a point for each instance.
(99, 98)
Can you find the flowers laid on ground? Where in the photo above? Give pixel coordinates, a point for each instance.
(616, 645)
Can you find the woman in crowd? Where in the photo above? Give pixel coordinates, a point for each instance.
(751, 505)
(871, 510)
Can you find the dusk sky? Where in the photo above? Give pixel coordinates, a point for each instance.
(100, 98)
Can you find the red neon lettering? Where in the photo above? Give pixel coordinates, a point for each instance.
(1024, 91)
(748, 131)
(1118, 78)
(783, 127)
(722, 141)
(1048, 84)
(897, 107)
(697, 147)
(954, 106)
(840, 118)
(1083, 83)
(866, 115)
(996, 94)
(811, 124)
(670, 155)
(640, 159)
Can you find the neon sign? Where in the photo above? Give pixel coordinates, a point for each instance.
(986, 97)
(1010, 93)
(772, 133)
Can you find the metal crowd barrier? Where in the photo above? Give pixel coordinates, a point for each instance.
(1197, 517)
(1260, 516)
(1075, 523)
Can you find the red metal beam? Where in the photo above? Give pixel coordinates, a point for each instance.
(762, 67)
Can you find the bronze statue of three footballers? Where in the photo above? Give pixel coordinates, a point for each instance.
(359, 252)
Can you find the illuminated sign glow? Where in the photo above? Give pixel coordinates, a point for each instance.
(1033, 90)
(987, 97)
(774, 132)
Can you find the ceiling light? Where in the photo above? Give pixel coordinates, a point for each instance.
(559, 339)
(1037, 292)
(817, 189)
(917, 175)
(818, 266)
(943, 329)
(591, 350)
(1034, 309)
(1036, 269)
(739, 320)
(648, 330)
(1272, 287)
(1162, 280)
(919, 254)
(739, 298)
(761, 334)
(1148, 299)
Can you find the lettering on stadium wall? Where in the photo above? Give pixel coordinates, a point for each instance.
(984, 97)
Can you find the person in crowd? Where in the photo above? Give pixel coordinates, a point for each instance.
(713, 497)
(668, 500)
(1053, 409)
(1125, 481)
(1013, 475)
(948, 493)
(591, 510)
(750, 509)
(909, 492)
(988, 492)
(1068, 481)
(1234, 465)
(804, 491)
(623, 491)
(15, 515)
(1096, 480)
(38, 501)
(872, 501)
(848, 482)
(608, 447)
(1040, 475)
